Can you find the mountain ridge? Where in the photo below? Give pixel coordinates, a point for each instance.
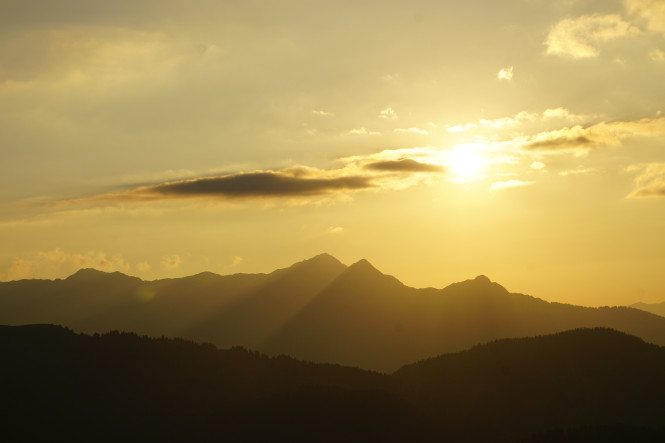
(654, 308)
(317, 309)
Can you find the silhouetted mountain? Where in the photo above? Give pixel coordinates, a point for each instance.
(259, 313)
(580, 385)
(317, 309)
(87, 275)
(242, 309)
(371, 320)
(654, 308)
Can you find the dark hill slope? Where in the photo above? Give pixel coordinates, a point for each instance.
(61, 386)
(583, 384)
(511, 387)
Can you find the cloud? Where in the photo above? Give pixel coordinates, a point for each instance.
(258, 184)
(650, 181)
(403, 165)
(521, 118)
(498, 123)
(362, 131)
(562, 139)
(411, 131)
(506, 122)
(564, 114)
(505, 73)
(321, 113)
(539, 166)
(144, 267)
(20, 269)
(388, 114)
(357, 173)
(657, 55)
(497, 186)
(580, 37)
(461, 128)
(581, 139)
(171, 261)
(578, 171)
(237, 260)
(652, 11)
(335, 230)
(390, 169)
(60, 263)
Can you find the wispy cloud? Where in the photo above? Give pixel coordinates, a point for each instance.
(461, 128)
(582, 139)
(498, 186)
(335, 230)
(657, 55)
(653, 11)
(575, 138)
(650, 180)
(362, 131)
(581, 37)
(564, 114)
(322, 113)
(578, 171)
(418, 131)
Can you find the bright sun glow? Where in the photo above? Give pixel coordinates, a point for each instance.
(466, 165)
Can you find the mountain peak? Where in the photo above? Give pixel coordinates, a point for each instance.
(482, 279)
(364, 266)
(86, 274)
(364, 271)
(481, 285)
(324, 258)
(90, 274)
(321, 261)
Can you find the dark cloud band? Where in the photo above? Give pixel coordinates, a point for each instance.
(259, 184)
(403, 165)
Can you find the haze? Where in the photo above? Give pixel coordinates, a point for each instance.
(520, 139)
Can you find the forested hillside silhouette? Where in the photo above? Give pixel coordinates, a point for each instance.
(60, 385)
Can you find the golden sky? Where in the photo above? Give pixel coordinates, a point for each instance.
(521, 139)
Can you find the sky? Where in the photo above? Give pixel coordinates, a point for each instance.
(440, 140)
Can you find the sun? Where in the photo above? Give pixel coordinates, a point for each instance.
(466, 165)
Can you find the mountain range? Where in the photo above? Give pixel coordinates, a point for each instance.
(583, 385)
(318, 310)
(654, 308)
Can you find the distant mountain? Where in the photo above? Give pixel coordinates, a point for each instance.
(596, 384)
(317, 309)
(654, 308)
(372, 320)
(240, 309)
